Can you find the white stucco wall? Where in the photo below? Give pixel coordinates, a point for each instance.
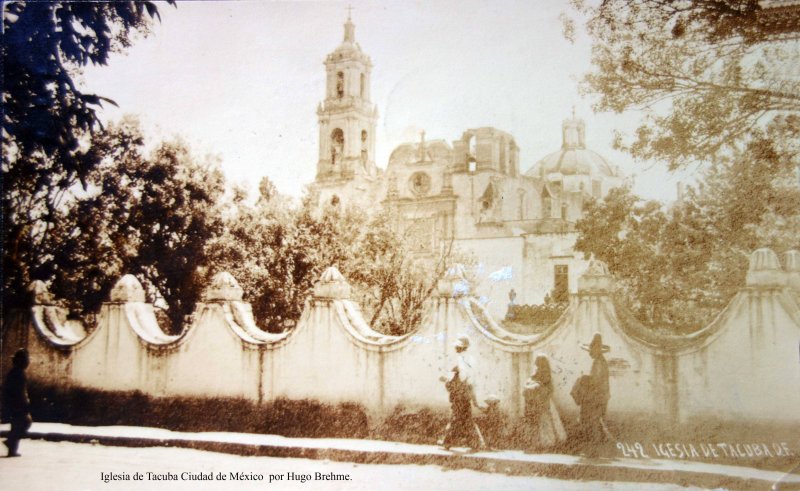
(742, 367)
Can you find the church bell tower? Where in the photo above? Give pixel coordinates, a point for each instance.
(346, 116)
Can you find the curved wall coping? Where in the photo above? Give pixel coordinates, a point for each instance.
(143, 321)
(51, 324)
(687, 343)
(351, 320)
(244, 325)
(626, 323)
(503, 338)
(60, 333)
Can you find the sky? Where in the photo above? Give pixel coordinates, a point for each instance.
(242, 80)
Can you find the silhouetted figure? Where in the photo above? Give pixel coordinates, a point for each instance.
(16, 404)
(542, 428)
(462, 428)
(592, 393)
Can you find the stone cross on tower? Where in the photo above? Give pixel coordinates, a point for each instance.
(349, 11)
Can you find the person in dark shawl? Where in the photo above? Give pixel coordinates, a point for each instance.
(542, 427)
(594, 394)
(462, 428)
(16, 404)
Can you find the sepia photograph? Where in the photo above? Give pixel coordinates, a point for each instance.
(402, 245)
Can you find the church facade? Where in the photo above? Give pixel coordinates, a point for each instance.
(518, 226)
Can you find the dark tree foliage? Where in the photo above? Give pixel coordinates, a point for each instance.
(47, 119)
(150, 216)
(712, 81)
(658, 256)
(44, 43)
(678, 265)
(704, 74)
(277, 250)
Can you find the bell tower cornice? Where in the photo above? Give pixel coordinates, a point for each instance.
(349, 50)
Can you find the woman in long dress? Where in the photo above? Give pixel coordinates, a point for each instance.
(542, 427)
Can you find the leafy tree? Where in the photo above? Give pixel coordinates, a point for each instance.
(678, 266)
(655, 253)
(47, 119)
(277, 251)
(265, 247)
(704, 73)
(146, 215)
(88, 250)
(393, 278)
(44, 46)
(711, 80)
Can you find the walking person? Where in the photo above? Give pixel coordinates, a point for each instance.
(592, 393)
(542, 427)
(462, 427)
(16, 404)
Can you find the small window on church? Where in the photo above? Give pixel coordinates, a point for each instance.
(563, 211)
(340, 85)
(546, 207)
(470, 157)
(363, 85)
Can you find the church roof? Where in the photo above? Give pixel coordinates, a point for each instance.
(409, 153)
(580, 161)
(573, 158)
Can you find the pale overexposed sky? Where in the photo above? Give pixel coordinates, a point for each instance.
(242, 79)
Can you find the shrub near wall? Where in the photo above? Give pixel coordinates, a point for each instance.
(293, 418)
(310, 419)
(531, 319)
(424, 426)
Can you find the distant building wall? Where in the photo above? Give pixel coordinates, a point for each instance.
(743, 367)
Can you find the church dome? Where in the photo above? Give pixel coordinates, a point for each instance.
(573, 162)
(573, 158)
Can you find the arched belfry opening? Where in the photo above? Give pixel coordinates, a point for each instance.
(340, 85)
(364, 147)
(337, 146)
